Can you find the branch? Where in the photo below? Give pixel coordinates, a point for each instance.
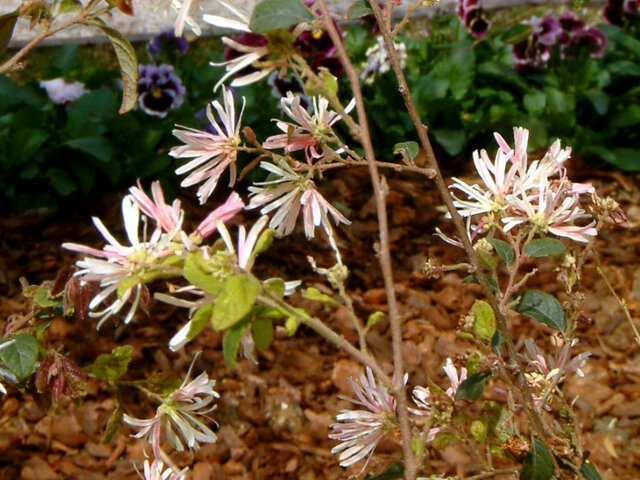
(457, 220)
(384, 255)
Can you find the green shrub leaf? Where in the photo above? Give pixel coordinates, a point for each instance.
(236, 298)
(20, 354)
(262, 332)
(273, 14)
(544, 247)
(473, 387)
(503, 249)
(231, 343)
(537, 464)
(112, 366)
(484, 320)
(543, 307)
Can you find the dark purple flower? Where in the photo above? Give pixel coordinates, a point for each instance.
(159, 89)
(618, 12)
(292, 83)
(167, 41)
(319, 46)
(546, 31)
(471, 15)
(590, 39)
(530, 54)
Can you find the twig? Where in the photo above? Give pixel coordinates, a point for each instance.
(458, 222)
(384, 254)
(494, 473)
(621, 302)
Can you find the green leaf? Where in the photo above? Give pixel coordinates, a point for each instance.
(69, 6)
(544, 247)
(264, 242)
(503, 249)
(195, 273)
(128, 65)
(535, 102)
(479, 430)
(275, 286)
(111, 366)
(231, 343)
(236, 298)
(7, 24)
(96, 145)
(358, 9)
(408, 150)
(537, 464)
(451, 140)
(375, 318)
(472, 279)
(273, 14)
(291, 325)
(589, 472)
(115, 420)
(43, 299)
(200, 319)
(484, 320)
(473, 387)
(20, 353)
(543, 307)
(496, 342)
(318, 296)
(262, 332)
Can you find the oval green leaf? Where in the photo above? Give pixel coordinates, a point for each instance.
(274, 14)
(473, 387)
(503, 249)
(544, 247)
(543, 307)
(537, 464)
(236, 298)
(20, 354)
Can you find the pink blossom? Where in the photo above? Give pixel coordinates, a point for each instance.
(60, 91)
(223, 213)
(211, 153)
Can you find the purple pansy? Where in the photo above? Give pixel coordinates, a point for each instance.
(159, 89)
(167, 41)
(618, 12)
(471, 15)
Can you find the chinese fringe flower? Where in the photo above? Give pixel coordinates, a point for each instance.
(159, 89)
(309, 131)
(471, 15)
(360, 431)
(179, 411)
(516, 193)
(378, 60)
(62, 92)
(156, 471)
(212, 153)
(243, 51)
(185, 10)
(288, 193)
(116, 263)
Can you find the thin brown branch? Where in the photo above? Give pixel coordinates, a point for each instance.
(403, 87)
(384, 254)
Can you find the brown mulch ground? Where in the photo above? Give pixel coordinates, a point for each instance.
(273, 418)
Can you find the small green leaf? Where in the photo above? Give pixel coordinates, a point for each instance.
(20, 354)
(357, 9)
(534, 102)
(374, 318)
(43, 299)
(484, 320)
(95, 145)
(408, 150)
(479, 430)
(496, 342)
(200, 319)
(7, 24)
(396, 470)
(451, 140)
(275, 286)
(473, 387)
(195, 273)
(69, 6)
(115, 420)
(231, 343)
(262, 332)
(128, 65)
(329, 82)
(503, 249)
(112, 366)
(543, 307)
(317, 295)
(472, 279)
(236, 298)
(264, 241)
(589, 472)
(537, 464)
(291, 325)
(274, 14)
(544, 247)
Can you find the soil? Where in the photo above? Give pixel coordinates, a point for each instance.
(273, 418)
